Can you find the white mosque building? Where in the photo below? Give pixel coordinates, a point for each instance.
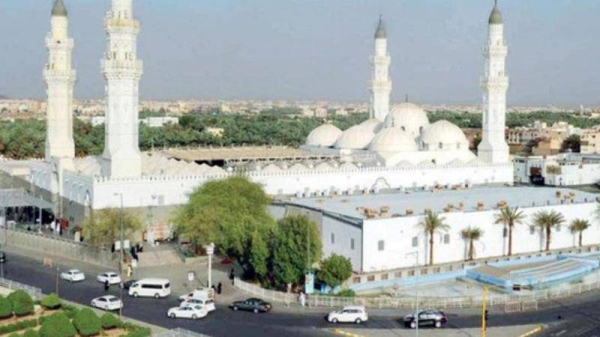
(397, 149)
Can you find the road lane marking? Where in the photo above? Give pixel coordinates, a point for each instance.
(344, 333)
(532, 332)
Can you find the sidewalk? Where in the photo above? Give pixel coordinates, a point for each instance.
(508, 331)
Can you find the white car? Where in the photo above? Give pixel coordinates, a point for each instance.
(73, 275)
(108, 302)
(190, 311)
(350, 314)
(111, 277)
(198, 293)
(206, 303)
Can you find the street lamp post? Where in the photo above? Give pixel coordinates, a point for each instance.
(210, 250)
(121, 252)
(416, 318)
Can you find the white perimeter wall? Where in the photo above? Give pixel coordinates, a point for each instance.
(397, 233)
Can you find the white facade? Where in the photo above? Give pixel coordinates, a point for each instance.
(60, 78)
(493, 147)
(122, 72)
(381, 83)
(566, 169)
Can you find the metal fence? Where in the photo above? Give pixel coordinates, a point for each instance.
(34, 292)
(179, 332)
(511, 302)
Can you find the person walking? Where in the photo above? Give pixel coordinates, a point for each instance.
(219, 288)
(232, 275)
(106, 285)
(302, 299)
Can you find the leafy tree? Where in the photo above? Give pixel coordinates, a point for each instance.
(102, 228)
(578, 226)
(335, 270)
(572, 143)
(432, 223)
(109, 321)
(510, 217)
(547, 220)
(30, 333)
(51, 301)
(471, 234)
(57, 325)
(229, 213)
(6, 309)
(22, 303)
(87, 322)
(259, 255)
(290, 247)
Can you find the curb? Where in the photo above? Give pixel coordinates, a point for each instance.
(532, 332)
(344, 333)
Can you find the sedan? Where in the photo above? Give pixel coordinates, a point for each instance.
(108, 302)
(73, 275)
(252, 304)
(431, 317)
(127, 284)
(190, 311)
(206, 303)
(111, 277)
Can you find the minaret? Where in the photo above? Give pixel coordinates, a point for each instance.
(493, 147)
(122, 72)
(381, 84)
(60, 79)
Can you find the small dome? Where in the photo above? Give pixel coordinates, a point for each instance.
(355, 138)
(408, 117)
(495, 16)
(59, 8)
(393, 140)
(373, 125)
(443, 135)
(324, 136)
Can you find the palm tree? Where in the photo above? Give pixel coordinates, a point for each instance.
(510, 217)
(578, 226)
(432, 223)
(547, 220)
(472, 234)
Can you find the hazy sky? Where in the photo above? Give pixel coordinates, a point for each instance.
(318, 49)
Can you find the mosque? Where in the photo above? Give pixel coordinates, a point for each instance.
(397, 150)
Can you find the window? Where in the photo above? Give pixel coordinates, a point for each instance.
(332, 238)
(446, 239)
(415, 241)
(381, 245)
(352, 244)
(558, 228)
(504, 232)
(531, 230)
(439, 145)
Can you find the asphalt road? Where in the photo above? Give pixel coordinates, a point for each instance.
(579, 318)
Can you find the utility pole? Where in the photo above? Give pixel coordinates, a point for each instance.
(57, 278)
(416, 318)
(484, 311)
(121, 252)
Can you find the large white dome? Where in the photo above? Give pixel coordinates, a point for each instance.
(373, 125)
(393, 140)
(408, 117)
(444, 135)
(355, 138)
(324, 136)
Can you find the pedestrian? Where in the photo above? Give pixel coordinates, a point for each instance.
(232, 275)
(219, 288)
(106, 285)
(302, 299)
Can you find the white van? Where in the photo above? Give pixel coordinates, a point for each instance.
(151, 287)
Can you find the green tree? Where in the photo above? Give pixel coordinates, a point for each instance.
(30, 333)
(547, 220)
(6, 309)
(290, 249)
(572, 143)
(259, 255)
(335, 270)
(227, 212)
(471, 234)
(102, 228)
(578, 226)
(57, 325)
(431, 224)
(51, 301)
(22, 303)
(510, 217)
(87, 322)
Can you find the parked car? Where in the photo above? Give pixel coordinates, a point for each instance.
(190, 311)
(111, 277)
(127, 284)
(108, 302)
(255, 305)
(2, 257)
(207, 303)
(350, 314)
(198, 294)
(428, 317)
(73, 275)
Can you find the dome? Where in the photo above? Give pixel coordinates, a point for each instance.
(408, 117)
(373, 125)
(355, 138)
(444, 135)
(495, 16)
(324, 136)
(59, 8)
(393, 140)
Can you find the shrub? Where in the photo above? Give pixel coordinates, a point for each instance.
(4, 329)
(51, 302)
(22, 303)
(109, 321)
(57, 325)
(139, 332)
(14, 334)
(31, 333)
(6, 309)
(70, 311)
(87, 322)
(347, 293)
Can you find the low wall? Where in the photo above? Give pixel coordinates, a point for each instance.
(55, 246)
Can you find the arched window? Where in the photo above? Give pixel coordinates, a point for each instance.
(440, 145)
(421, 130)
(458, 146)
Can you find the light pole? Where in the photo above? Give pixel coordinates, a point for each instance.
(210, 250)
(416, 318)
(121, 252)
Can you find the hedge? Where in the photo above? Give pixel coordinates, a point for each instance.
(22, 303)
(87, 322)
(110, 321)
(51, 302)
(30, 323)
(6, 309)
(30, 333)
(57, 325)
(139, 332)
